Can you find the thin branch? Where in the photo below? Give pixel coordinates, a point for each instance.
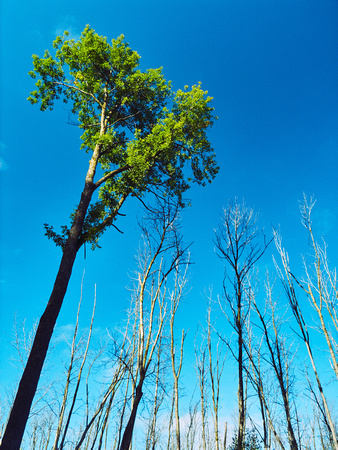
(79, 90)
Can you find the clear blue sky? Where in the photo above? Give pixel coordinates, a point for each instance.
(272, 69)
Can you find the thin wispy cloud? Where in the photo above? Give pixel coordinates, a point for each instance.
(68, 24)
(324, 220)
(3, 164)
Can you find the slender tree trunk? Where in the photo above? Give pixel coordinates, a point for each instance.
(225, 435)
(128, 432)
(29, 381)
(291, 434)
(176, 375)
(170, 425)
(177, 416)
(201, 375)
(241, 399)
(237, 243)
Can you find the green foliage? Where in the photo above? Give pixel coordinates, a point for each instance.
(141, 134)
(251, 441)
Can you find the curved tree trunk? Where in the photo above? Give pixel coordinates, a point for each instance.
(29, 381)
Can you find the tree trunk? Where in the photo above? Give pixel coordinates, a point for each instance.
(29, 381)
(291, 434)
(225, 435)
(241, 399)
(128, 432)
(177, 418)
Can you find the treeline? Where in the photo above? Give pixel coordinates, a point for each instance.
(126, 389)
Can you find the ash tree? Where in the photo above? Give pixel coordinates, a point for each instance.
(141, 136)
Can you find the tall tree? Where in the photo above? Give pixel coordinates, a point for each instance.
(140, 133)
(240, 244)
(280, 359)
(161, 256)
(319, 285)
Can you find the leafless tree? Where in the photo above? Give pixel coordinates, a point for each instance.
(192, 426)
(176, 362)
(258, 379)
(290, 284)
(216, 365)
(320, 286)
(162, 254)
(152, 434)
(278, 356)
(200, 355)
(96, 418)
(240, 244)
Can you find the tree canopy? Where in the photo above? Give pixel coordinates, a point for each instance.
(141, 134)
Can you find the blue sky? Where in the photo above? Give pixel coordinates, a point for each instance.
(272, 69)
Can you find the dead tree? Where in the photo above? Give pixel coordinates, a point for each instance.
(216, 365)
(240, 244)
(162, 255)
(290, 285)
(278, 357)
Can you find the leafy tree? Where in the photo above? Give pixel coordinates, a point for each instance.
(140, 134)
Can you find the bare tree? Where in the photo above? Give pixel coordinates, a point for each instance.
(240, 244)
(161, 255)
(153, 436)
(216, 366)
(256, 376)
(93, 418)
(320, 286)
(200, 355)
(176, 365)
(279, 358)
(192, 426)
(289, 281)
